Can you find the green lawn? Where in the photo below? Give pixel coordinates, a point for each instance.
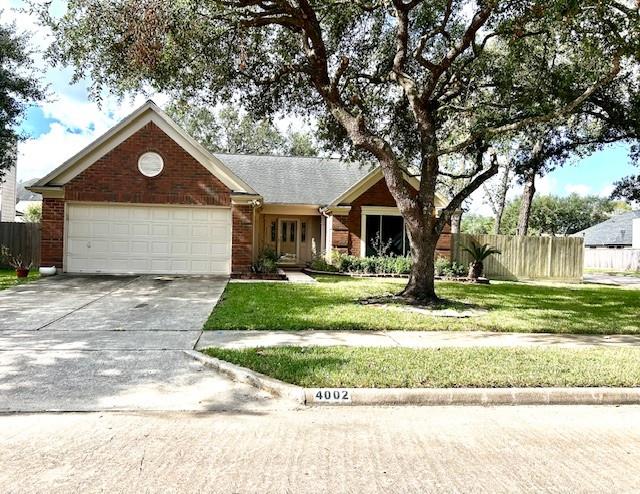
(333, 304)
(440, 368)
(8, 278)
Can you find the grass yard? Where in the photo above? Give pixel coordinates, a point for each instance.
(8, 278)
(440, 368)
(332, 304)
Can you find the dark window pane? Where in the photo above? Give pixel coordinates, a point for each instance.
(303, 232)
(284, 231)
(393, 234)
(293, 232)
(373, 228)
(273, 231)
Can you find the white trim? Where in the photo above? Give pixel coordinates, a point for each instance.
(149, 112)
(147, 204)
(48, 192)
(378, 211)
(328, 238)
(244, 199)
(292, 209)
(337, 210)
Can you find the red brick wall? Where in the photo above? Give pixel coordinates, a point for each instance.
(52, 239)
(242, 238)
(115, 176)
(346, 229)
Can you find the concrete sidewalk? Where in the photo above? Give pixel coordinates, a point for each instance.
(409, 339)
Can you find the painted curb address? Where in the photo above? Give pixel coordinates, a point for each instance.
(423, 396)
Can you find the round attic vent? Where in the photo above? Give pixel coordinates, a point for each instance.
(150, 164)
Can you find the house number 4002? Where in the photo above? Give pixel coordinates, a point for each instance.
(333, 395)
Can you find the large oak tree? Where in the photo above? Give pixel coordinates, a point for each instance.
(400, 83)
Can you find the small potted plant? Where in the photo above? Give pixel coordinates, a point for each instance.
(478, 254)
(18, 262)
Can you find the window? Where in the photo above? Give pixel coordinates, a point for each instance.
(273, 231)
(284, 231)
(386, 233)
(303, 232)
(293, 232)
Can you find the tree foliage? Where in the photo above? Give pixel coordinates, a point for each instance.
(555, 215)
(477, 224)
(229, 130)
(401, 83)
(18, 88)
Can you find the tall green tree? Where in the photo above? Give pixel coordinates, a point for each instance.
(229, 130)
(400, 83)
(555, 215)
(19, 87)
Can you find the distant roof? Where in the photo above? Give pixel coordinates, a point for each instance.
(295, 180)
(617, 230)
(26, 195)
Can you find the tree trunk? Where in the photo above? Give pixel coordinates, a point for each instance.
(456, 221)
(421, 284)
(527, 200)
(502, 199)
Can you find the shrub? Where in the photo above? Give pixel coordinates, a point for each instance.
(319, 263)
(447, 269)
(371, 265)
(266, 262)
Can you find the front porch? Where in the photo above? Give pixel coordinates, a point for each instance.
(295, 234)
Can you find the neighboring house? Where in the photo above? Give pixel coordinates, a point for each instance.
(615, 233)
(8, 196)
(146, 198)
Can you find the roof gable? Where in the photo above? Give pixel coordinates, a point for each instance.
(369, 180)
(617, 230)
(149, 112)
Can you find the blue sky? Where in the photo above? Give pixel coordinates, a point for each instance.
(68, 121)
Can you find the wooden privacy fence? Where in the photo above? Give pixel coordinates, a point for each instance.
(557, 258)
(614, 259)
(23, 239)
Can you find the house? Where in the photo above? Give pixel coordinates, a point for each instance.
(146, 198)
(618, 232)
(8, 195)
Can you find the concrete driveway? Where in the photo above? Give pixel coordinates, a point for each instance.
(612, 279)
(111, 343)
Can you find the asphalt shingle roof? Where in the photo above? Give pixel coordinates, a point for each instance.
(617, 230)
(295, 180)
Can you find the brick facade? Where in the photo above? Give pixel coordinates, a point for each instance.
(347, 229)
(52, 233)
(241, 238)
(115, 178)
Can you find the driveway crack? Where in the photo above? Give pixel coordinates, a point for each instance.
(89, 303)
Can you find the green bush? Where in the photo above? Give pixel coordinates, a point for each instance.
(371, 265)
(448, 269)
(319, 263)
(267, 261)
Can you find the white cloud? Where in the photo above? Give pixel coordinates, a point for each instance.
(580, 189)
(606, 190)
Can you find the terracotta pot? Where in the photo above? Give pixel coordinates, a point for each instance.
(22, 272)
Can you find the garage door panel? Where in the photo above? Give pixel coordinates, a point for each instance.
(148, 239)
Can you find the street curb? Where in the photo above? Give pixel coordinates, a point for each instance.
(248, 376)
(425, 396)
(483, 396)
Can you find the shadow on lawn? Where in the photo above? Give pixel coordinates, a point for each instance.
(332, 304)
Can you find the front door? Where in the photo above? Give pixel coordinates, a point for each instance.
(288, 241)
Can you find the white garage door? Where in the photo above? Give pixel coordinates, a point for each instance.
(118, 238)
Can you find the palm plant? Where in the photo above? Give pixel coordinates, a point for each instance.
(478, 254)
